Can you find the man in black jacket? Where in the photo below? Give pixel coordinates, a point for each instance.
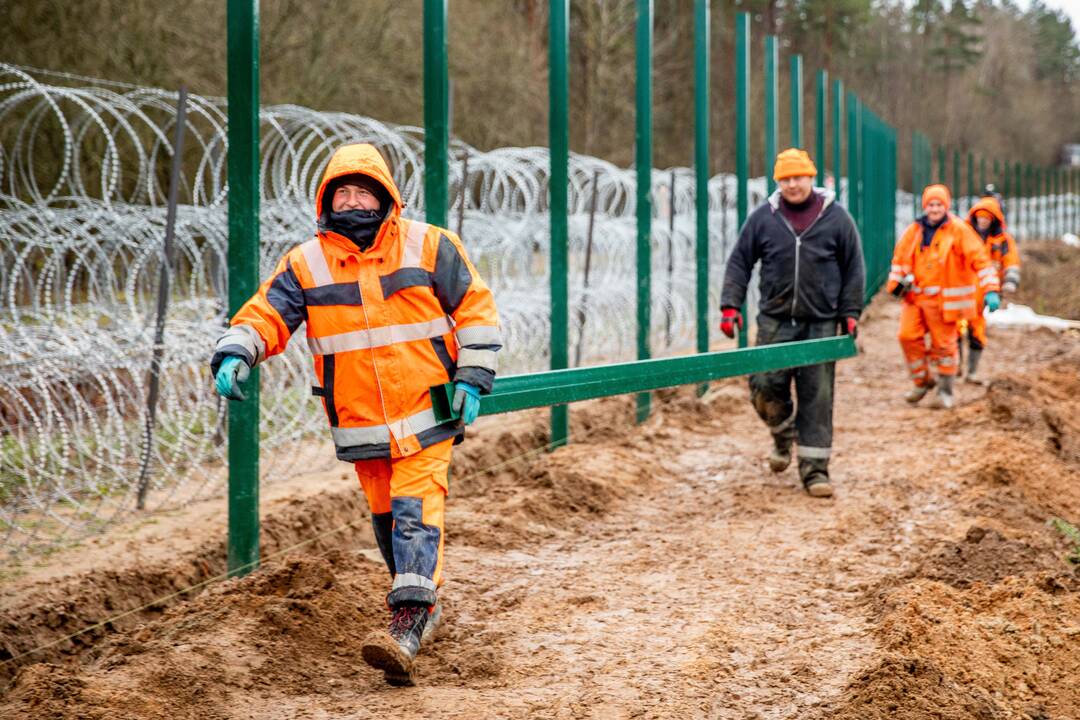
(812, 283)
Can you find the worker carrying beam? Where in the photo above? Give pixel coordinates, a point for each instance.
(939, 269)
(392, 307)
(812, 281)
(987, 218)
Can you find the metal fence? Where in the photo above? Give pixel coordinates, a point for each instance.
(81, 247)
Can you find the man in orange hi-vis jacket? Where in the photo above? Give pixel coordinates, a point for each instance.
(938, 268)
(987, 218)
(392, 307)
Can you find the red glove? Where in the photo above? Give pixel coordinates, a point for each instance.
(850, 326)
(730, 318)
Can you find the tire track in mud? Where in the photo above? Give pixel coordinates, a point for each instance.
(664, 572)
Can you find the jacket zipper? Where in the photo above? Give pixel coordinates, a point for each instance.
(798, 245)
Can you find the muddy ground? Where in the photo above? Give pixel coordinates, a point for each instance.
(650, 572)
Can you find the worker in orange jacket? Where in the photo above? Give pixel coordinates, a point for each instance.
(987, 218)
(392, 307)
(939, 266)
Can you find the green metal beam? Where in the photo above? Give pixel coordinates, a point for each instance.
(796, 101)
(643, 154)
(520, 392)
(559, 140)
(436, 113)
(742, 130)
(821, 90)
(772, 93)
(243, 91)
(701, 167)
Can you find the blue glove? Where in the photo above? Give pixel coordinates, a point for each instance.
(234, 370)
(992, 301)
(466, 401)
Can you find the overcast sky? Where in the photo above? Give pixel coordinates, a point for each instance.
(1072, 7)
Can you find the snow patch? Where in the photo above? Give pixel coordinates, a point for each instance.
(1013, 315)
(1070, 240)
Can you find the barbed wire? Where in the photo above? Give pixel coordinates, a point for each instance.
(83, 179)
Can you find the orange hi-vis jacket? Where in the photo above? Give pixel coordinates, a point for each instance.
(964, 268)
(383, 325)
(1004, 253)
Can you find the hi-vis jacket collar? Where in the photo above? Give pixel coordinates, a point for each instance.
(363, 159)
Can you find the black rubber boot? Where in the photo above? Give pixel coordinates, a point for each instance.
(814, 474)
(944, 399)
(394, 650)
(973, 377)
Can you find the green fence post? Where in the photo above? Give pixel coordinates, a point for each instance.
(982, 175)
(837, 136)
(436, 113)
(742, 133)
(970, 182)
(796, 101)
(821, 89)
(1037, 187)
(956, 179)
(643, 153)
(559, 143)
(771, 98)
(997, 175)
(701, 169)
(915, 179)
(243, 258)
(853, 158)
(1005, 187)
(1029, 211)
(941, 164)
(1018, 190)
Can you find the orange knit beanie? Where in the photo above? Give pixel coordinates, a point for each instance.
(936, 192)
(793, 163)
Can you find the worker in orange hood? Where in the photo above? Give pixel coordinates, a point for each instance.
(938, 268)
(987, 218)
(392, 307)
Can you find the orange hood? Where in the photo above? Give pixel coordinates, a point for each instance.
(991, 206)
(364, 159)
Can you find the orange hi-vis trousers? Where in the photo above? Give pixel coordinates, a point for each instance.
(407, 497)
(918, 319)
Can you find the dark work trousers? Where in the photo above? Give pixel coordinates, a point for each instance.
(809, 419)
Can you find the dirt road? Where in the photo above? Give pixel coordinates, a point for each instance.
(664, 572)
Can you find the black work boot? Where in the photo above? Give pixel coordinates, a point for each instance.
(394, 650)
(780, 458)
(814, 473)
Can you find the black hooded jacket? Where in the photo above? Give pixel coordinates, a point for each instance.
(818, 276)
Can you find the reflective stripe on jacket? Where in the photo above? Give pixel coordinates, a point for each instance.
(966, 268)
(383, 325)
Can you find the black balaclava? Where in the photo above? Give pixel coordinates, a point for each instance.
(360, 226)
